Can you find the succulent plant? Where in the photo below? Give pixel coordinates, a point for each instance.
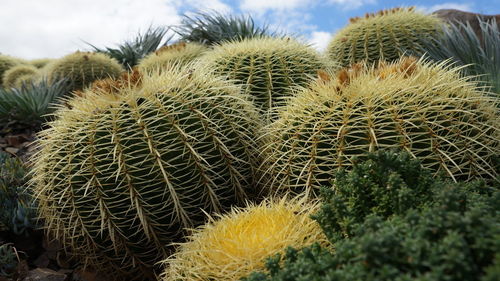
(129, 53)
(40, 63)
(18, 213)
(235, 244)
(30, 105)
(8, 260)
(267, 68)
(7, 62)
(179, 53)
(120, 175)
(10, 77)
(82, 68)
(385, 35)
(215, 28)
(426, 109)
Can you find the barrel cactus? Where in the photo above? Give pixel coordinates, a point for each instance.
(82, 68)
(7, 62)
(266, 67)
(385, 35)
(119, 176)
(238, 243)
(179, 53)
(40, 63)
(423, 108)
(12, 76)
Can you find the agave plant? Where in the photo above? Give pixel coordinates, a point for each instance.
(480, 53)
(29, 105)
(131, 52)
(212, 28)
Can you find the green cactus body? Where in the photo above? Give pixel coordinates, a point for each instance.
(83, 68)
(426, 109)
(40, 63)
(119, 176)
(11, 76)
(180, 53)
(382, 36)
(267, 68)
(6, 63)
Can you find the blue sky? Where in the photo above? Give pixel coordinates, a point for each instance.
(52, 28)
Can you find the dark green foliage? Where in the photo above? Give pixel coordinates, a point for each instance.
(17, 214)
(29, 105)
(130, 53)
(456, 237)
(8, 260)
(213, 28)
(386, 183)
(480, 54)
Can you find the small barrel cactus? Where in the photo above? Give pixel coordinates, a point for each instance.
(238, 243)
(119, 176)
(40, 63)
(6, 63)
(385, 35)
(268, 68)
(423, 108)
(180, 53)
(12, 76)
(82, 68)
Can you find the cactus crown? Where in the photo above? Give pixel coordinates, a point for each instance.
(235, 244)
(385, 35)
(266, 67)
(135, 168)
(423, 108)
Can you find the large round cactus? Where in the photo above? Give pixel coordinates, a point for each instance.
(385, 35)
(12, 76)
(119, 176)
(180, 53)
(268, 68)
(82, 68)
(238, 243)
(425, 109)
(40, 63)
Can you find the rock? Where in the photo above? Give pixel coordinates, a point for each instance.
(12, 150)
(452, 16)
(42, 260)
(82, 274)
(45, 274)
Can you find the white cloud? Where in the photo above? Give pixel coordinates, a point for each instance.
(262, 6)
(210, 5)
(53, 28)
(351, 4)
(320, 39)
(449, 5)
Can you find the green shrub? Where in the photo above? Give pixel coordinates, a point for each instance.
(452, 235)
(18, 212)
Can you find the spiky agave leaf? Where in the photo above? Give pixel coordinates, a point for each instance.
(213, 28)
(460, 43)
(426, 109)
(130, 53)
(30, 105)
(235, 244)
(120, 175)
